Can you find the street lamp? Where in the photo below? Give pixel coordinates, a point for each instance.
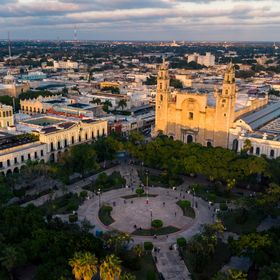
(99, 197)
(193, 197)
(147, 183)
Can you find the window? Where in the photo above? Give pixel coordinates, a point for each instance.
(226, 92)
(160, 86)
(272, 153)
(190, 115)
(65, 143)
(97, 132)
(15, 160)
(8, 162)
(257, 151)
(35, 155)
(92, 135)
(58, 145)
(42, 153)
(29, 156)
(73, 140)
(103, 131)
(22, 158)
(1, 164)
(52, 146)
(209, 144)
(80, 138)
(251, 150)
(161, 97)
(225, 114)
(86, 136)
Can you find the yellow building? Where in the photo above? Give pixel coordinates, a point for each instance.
(190, 117)
(6, 116)
(48, 137)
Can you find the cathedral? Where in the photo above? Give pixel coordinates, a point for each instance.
(189, 116)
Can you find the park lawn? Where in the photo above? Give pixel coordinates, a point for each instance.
(231, 220)
(147, 265)
(187, 211)
(62, 205)
(209, 194)
(157, 180)
(105, 216)
(219, 259)
(152, 231)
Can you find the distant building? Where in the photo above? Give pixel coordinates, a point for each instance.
(34, 76)
(6, 116)
(206, 60)
(65, 64)
(12, 88)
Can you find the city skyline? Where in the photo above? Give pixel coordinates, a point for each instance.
(189, 20)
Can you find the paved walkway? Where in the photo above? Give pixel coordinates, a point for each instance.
(126, 215)
(170, 264)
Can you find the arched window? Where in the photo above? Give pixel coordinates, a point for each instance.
(257, 151)
(251, 150)
(272, 153)
(235, 145)
(189, 139)
(209, 144)
(190, 115)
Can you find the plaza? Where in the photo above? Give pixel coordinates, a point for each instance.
(130, 212)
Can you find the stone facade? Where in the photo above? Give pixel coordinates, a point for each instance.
(6, 116)
(189, 117)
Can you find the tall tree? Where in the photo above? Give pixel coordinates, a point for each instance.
(110, 269)
(84, 265)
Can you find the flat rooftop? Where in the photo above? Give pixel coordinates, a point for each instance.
(43, 121)
(9, 141)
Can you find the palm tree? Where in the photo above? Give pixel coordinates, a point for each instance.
(11, 257)
(122, 103)
(106, 105)
(110, 269)
(128, 276)
(138, 250)
(96, 101)
(84, 265)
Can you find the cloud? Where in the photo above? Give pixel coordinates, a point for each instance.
(147, 19)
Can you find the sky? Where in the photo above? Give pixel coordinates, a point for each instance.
(188, 20)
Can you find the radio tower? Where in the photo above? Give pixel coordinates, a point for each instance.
(9, 46)
(75, 34)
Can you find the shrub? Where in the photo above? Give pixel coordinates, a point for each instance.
(151, 275)
(184, 204)
(157, 223)
(242, 217)
(139, 191)
(223, 207)
(148, 246)
(83, 194)
(73, 218)
(181, 242)
(72, 205)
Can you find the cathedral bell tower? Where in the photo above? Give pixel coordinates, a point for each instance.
(162, 98)
(225, 108)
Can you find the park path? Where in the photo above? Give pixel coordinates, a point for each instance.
(170, 264)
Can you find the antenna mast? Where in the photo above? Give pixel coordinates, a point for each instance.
(9, 45)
